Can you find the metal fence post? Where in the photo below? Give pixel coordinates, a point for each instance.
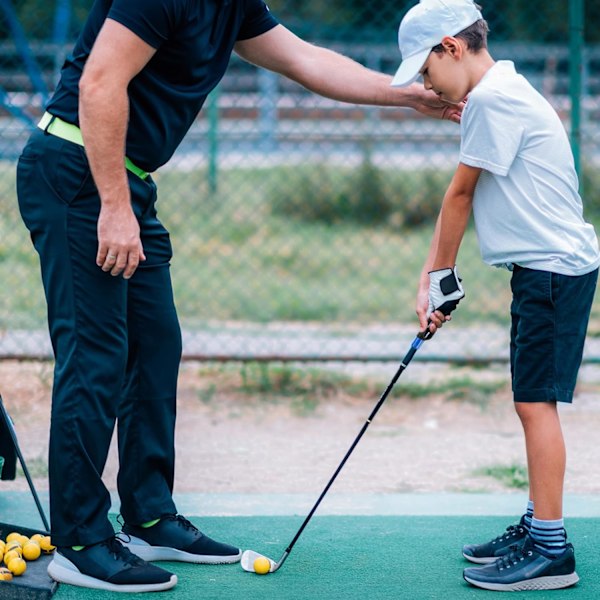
(267, 83)
(576, 9)
(61, 33)
(213, 139)
(24, 49)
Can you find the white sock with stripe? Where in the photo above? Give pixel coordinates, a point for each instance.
(549, 536)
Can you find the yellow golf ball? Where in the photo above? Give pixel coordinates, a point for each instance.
(11, 555)
(17, 566)
(14, 545)
(15, 535)
(31, 551)
(262, 565)
(5, 574)
(46, 544)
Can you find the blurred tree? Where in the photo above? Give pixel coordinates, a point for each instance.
(355, 20)
(37, 17)
(377, 21)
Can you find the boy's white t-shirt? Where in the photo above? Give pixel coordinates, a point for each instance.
(526, 207)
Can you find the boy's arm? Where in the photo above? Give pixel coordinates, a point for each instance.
(454, 215)
(449, 231)
(423, 290)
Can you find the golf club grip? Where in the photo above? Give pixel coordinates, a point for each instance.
(448, 307)
(445, 309)
(416, 344)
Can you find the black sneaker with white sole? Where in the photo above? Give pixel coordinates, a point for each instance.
(108, 566)
(175, 538)
(513, 537)
(526, 568)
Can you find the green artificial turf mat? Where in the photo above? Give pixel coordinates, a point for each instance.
(359, 557)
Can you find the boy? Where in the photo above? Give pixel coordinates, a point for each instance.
(516, 173)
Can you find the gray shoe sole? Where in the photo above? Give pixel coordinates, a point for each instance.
(152, 553)
(61, 569)
(481, 560)
(555, 582)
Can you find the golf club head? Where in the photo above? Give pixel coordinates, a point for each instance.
(248, 558)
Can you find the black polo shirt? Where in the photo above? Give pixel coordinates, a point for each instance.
(193, 40)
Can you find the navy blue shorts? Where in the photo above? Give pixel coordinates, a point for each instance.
(550, 314)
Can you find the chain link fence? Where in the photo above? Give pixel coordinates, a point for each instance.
(300, 224)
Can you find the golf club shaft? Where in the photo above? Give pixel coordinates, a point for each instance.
(416, 344)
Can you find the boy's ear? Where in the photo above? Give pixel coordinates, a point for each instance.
(452, 46)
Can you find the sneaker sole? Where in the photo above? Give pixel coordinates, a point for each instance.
(62, 570)
(485, 560)
(153, 553)
(555, 582)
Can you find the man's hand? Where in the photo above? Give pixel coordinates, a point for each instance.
(445, 291)
(427, 102)
(119, 246)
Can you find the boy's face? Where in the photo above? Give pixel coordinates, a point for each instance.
(445, 73)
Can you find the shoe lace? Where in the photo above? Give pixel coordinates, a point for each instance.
(511, 531)
(516, 555)
(116, 548)
(181, 520)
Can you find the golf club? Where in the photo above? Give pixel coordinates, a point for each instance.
(249, 556)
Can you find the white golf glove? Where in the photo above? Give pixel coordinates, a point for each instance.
(445, 290)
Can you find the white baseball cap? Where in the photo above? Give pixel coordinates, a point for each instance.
(425, 26)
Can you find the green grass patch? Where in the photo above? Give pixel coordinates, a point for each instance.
(366, 196)
(511, 476)
(37, 467)
(303, 388)
(290, 381)
(328, 245)
(461, 389)
(304, 406)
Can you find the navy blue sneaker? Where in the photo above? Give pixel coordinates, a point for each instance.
(526, 568)
(109, 566)
(175, 538)
(513, 537)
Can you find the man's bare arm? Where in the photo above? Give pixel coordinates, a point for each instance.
(335, 76)
(117, 57)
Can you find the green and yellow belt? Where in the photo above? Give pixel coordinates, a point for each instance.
(67, 131)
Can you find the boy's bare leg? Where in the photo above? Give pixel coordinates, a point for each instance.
(546, 456)
(544, 560)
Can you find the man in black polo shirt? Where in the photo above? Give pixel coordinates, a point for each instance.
(136, 80)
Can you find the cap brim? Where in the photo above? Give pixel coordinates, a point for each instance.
(408, 71)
